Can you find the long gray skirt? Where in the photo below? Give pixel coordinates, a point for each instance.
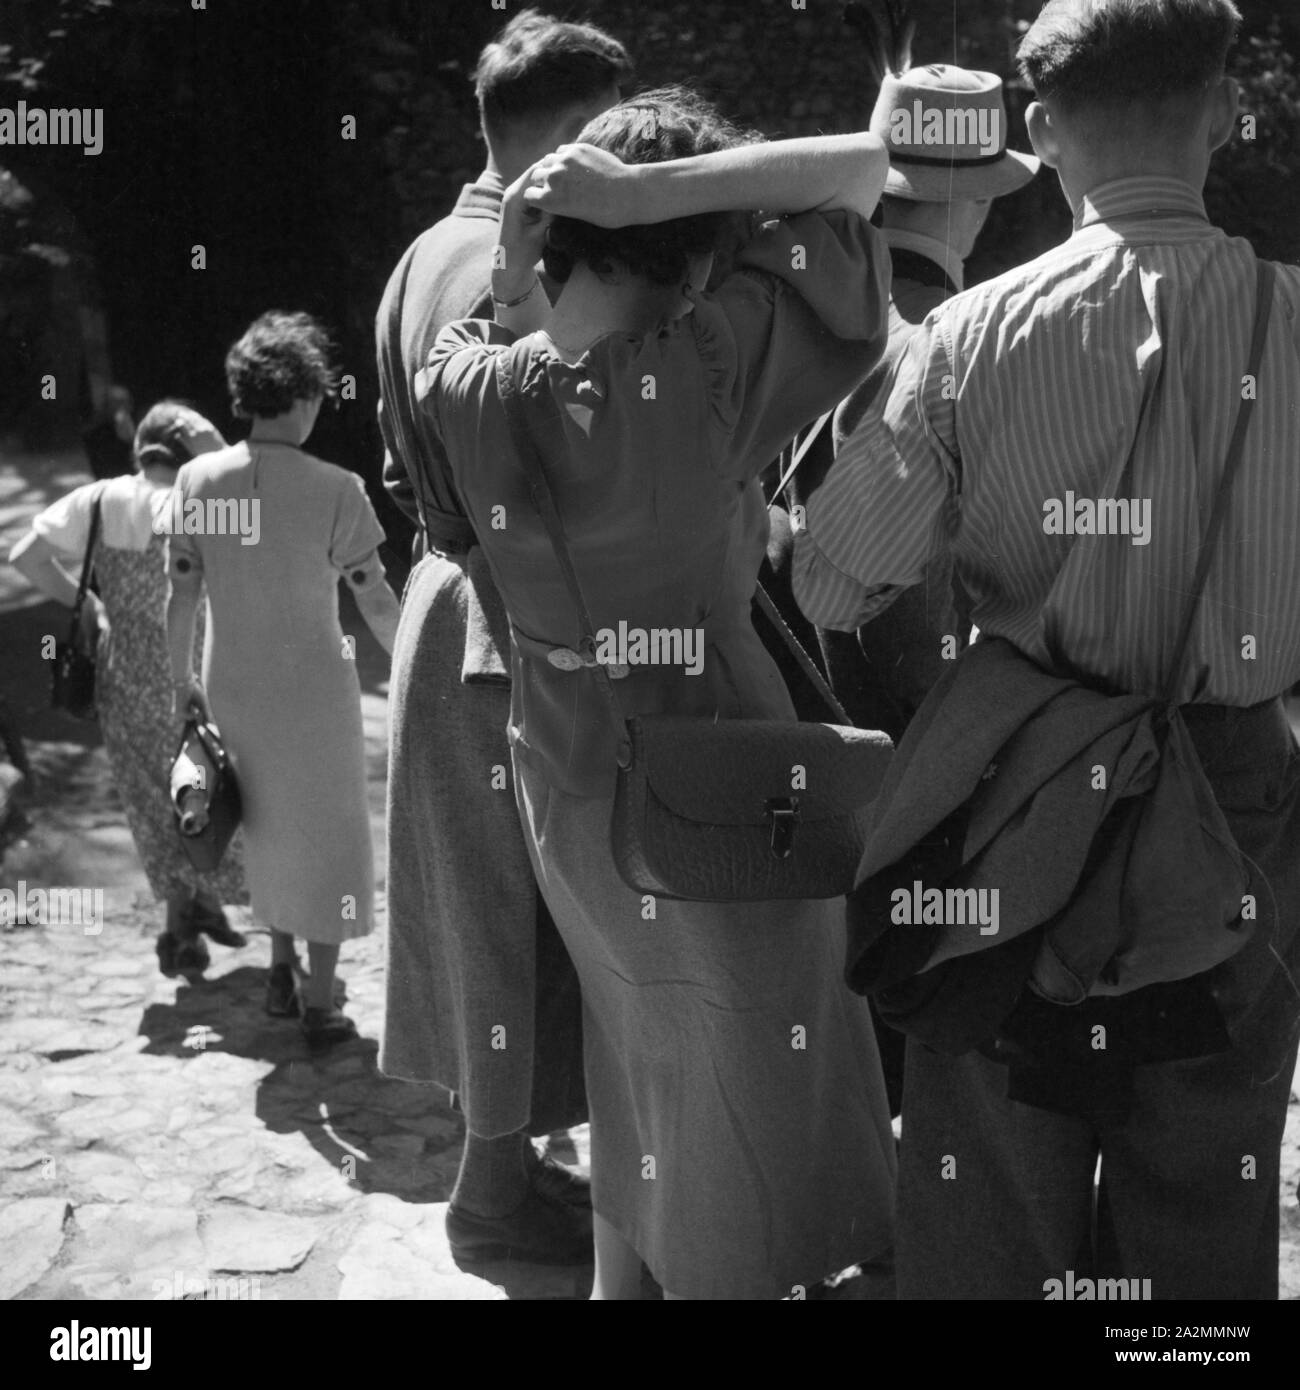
(740, 1135)
(481, 996)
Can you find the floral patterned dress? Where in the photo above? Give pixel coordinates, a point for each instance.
(133, 681)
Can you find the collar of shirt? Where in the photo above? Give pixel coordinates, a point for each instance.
(931, 248)
(482, 198)
(1147, 197)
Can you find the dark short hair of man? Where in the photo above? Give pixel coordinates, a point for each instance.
(1082, 54)
(539, 66)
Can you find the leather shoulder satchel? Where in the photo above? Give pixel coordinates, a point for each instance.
(733, 810)
(73, 678)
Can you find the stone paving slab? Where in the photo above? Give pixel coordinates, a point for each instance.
(121, 1249)
(160, 1139)
(31, 1235)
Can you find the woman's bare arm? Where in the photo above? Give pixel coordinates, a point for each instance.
(815, 173)
(519, 302)
(379, 607)
(37, 561)
(183, 595)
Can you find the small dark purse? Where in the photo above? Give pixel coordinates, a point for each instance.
(72, 687)
(735, 810)
(204, 794)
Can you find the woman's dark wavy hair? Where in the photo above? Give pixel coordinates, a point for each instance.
(667, 123)
(281, 358)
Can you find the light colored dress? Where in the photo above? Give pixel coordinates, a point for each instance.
(281, 678)
(740, 1133)
(133, 693)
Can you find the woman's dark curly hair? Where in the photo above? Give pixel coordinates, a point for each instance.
(281, 358)
(667, 123)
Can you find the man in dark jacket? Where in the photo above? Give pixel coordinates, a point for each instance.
(481, 995)
(931, 214)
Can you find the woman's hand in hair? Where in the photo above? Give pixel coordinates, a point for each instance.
(589, 184)
(521, 235)
(518, 300)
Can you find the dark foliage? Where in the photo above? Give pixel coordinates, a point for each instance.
(224, 127)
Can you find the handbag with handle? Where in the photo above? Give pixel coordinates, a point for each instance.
(204, 794)
(736, 810)
(72, 687)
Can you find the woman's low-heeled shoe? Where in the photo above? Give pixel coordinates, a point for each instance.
(216, 926)
(177, 956)
(282, 992)
(325, 1027)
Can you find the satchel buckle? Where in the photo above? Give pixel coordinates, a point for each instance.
(782, 815)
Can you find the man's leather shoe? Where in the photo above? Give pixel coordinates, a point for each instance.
(539, 1231)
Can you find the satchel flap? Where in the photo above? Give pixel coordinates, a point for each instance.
(726, 773)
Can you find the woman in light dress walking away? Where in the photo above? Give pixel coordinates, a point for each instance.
(267, 531)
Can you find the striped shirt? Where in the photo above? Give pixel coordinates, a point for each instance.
(1015, 413)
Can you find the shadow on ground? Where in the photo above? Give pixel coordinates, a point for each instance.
(383, 1136)
(379, 1133)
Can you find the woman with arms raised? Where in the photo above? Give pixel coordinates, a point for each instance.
(741, 1143)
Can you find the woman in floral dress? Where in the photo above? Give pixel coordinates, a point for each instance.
(133, 681)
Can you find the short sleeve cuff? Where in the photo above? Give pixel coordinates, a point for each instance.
(184, 563)
(65, 525)
(364, 574)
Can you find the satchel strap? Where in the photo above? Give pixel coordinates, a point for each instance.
(801, 452)
(806, 664)
(88, 561)
(539, 486)
(1266, 274)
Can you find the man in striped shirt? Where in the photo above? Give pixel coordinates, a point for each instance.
(1005, 433)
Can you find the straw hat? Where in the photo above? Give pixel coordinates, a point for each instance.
(946, 131)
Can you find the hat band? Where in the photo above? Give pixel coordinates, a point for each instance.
(948, 161)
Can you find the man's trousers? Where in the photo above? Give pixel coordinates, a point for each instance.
(996, 1197)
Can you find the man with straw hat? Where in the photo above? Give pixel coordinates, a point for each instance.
(946, 129)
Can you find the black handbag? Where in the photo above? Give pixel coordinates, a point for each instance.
(737, 810)
(72, 686)
(206, 804)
